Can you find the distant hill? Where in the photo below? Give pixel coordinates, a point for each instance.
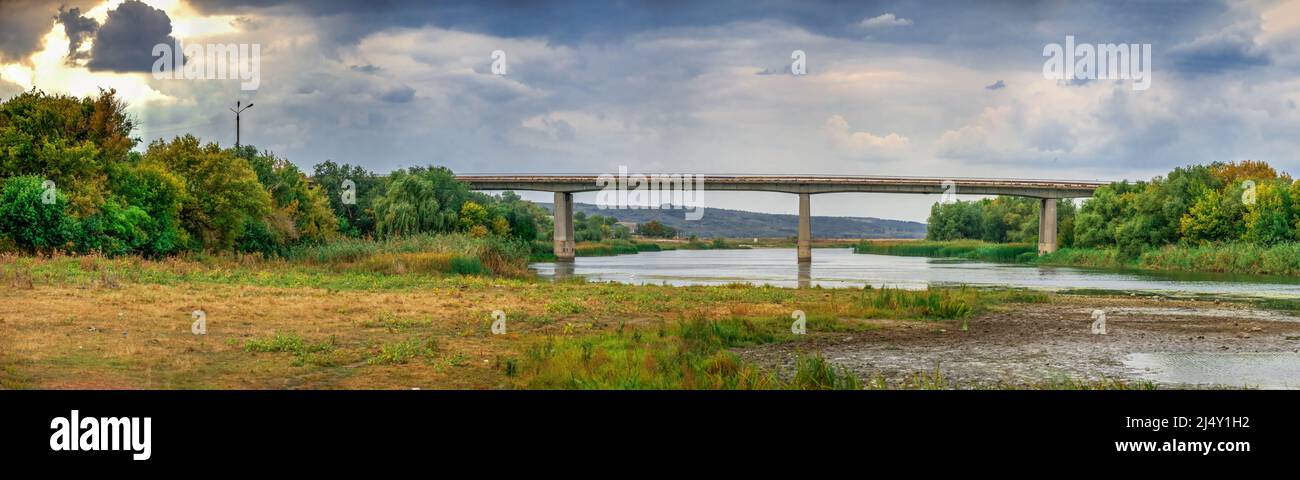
(719, 222)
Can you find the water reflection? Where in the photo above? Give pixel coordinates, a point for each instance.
(563, 270)
(840, 267)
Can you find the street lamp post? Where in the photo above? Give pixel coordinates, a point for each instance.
(237, 111)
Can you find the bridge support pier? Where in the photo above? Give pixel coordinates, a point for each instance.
(564, 247)
(1047, 226)
(805, 229)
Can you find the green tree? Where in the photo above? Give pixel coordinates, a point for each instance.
(1268, 219)
(223, 192)
(1214, 217)
(421, 200)
(68, 140)
(28, 220)
(655, 229)
(356, 217)
(160, 194)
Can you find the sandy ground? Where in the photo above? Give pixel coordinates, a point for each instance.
(1027, 344)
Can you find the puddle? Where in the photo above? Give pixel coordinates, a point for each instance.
(1272, 371)
(1243, 314)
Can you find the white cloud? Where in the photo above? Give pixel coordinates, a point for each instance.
(887, 20)
(860, 144)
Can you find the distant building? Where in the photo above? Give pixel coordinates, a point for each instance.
(631, 226)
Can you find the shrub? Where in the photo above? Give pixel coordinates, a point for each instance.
(28, 221)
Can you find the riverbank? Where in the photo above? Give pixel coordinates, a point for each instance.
(94, 322)
(543, 251)
(968, 249)
(1240, 258)
(1235, 258)
(1150, 342)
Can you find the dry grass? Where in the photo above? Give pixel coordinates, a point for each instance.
(99, 323)
(63, 326)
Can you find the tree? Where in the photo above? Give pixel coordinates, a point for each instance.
(114, 230)
(1214, 217)
(357, 217)
(423, 200)
(300, 211)
(1234, 172)
(655, 229)
(224, 194)
(67, 140)
(160, 194)
(26, 218)
(1268, 219)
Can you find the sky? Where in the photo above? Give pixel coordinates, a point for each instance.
(913, 88)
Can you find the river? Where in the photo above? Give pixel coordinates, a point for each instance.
(840, 267)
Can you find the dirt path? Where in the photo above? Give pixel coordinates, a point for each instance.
(1033, 344)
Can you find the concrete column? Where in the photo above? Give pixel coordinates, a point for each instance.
(805, 229)
(1047, 226)
(563, 227)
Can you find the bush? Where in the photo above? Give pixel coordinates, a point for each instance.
(31, 223)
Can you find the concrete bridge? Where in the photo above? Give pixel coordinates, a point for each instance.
(564, 186)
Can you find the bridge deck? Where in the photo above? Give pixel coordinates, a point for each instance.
(1037, 188)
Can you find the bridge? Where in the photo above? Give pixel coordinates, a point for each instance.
(564, 186)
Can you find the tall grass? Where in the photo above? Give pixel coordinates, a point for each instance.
(423, 253)
(815, 373)
(970, 249)
(941, 304)
(693, 354)
(1086, 257)
(543, 251)
(1235, 257)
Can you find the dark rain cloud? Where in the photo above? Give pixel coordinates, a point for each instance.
(400, 94)
(1230, 49)
(24, 22)
(78, 29)
(125, 42)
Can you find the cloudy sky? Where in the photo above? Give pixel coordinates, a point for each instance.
(953, 89)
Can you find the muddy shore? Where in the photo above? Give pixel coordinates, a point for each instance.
(1033, 344)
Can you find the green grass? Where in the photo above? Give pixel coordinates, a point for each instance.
(692, 354)
(543, 251)
(1238, 257)
(1235, 257)
(399, 353)
(1086, 257)
(937, 303)
(304, 352)
(815, 373)
(696, 353)
(968, 249)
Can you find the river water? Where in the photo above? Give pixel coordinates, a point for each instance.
(840, 267)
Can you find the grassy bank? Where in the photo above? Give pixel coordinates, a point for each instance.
(322, 320)
(543, 251)
(1241, 258)
(1238, 258)
(421, 253)
(969, 249)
